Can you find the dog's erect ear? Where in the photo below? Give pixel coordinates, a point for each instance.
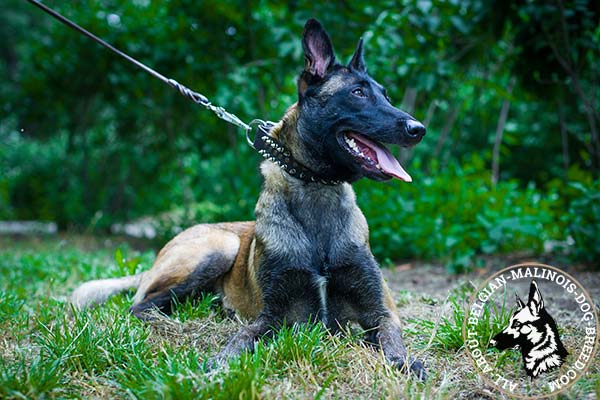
(358, 63)
(520, 304)
(318, 50)
(535, 303)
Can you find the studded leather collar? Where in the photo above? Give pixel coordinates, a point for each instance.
(274, 151)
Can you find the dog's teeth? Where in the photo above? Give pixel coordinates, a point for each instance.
(352, 144)
(350, 141)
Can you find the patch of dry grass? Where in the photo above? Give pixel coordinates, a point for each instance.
(46, 351)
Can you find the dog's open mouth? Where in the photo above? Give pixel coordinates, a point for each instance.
(373, 156)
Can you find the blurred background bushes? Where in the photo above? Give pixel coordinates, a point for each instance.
(508, 90)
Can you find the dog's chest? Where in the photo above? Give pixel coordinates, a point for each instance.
(307, 235)
(315, 225)
(330, 221)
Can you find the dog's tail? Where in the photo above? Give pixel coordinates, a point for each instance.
(98, 291)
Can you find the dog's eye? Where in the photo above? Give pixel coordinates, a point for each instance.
(359, 92)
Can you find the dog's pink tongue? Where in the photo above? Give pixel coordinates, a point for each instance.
(386, 160)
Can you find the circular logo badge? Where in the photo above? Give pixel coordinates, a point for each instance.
(531, 330)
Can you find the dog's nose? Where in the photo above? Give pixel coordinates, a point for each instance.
(492, 342)
(415, 129)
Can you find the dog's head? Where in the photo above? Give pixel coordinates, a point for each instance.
(344, 115)
(527, 324)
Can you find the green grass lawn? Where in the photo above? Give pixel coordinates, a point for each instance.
(49, 351)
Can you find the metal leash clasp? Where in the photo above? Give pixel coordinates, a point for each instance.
(262, 125)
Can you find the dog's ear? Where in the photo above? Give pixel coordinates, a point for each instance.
(318, 50)
(535, 303)
(520, 304)
(357, 62)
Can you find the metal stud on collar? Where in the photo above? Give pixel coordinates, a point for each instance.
(273, 150)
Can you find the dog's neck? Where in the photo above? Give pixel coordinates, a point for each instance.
(286, 131)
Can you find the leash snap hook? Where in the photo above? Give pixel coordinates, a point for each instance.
(264, 126)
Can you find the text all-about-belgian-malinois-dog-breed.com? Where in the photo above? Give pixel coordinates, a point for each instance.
(306, 258)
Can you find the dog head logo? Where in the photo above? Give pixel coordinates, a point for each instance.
(532, 330)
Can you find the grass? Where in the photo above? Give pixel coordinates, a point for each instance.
(48, 350)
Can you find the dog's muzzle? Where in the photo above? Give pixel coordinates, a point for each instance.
(414, 131)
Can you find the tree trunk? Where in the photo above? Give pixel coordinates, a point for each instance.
(450, 119)
(409, 99)
(499, 132)
(430, 112)
(565, 142)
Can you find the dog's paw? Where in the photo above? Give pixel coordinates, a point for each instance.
(417, 368)
(414, 366)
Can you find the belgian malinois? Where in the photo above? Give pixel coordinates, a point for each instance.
(306, 258)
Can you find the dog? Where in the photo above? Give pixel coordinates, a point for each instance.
(306, 258)
(532, 330)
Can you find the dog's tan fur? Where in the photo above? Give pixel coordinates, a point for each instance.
(180, 256)
(306, 258)
(236, 241)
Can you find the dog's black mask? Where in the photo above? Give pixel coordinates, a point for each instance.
(345, 115)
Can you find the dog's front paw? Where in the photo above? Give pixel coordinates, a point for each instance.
(414, 366)
(417, 368)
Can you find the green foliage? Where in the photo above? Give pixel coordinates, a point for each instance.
(583, 221)
(88, 140)
(174, 375)
(127, 266)
(51, 351)
(87, 346)
(455, 216)
(195, 308)
(11, 309)
(37, 378)
(446, 333)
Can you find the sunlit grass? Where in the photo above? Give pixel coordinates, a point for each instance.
(446, 331)
(49, 350)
